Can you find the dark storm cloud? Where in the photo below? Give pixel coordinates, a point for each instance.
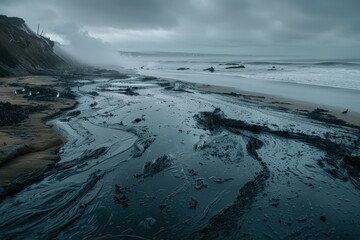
(199, 23)
(122, 14)
(115, 13)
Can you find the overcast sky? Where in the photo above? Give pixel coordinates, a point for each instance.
(314, 28)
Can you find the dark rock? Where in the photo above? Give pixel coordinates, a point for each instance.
(137, 120)
(272, 69)
(182, 69)
(323, 218)
(234, 67)
(210, 69)
(93, 104)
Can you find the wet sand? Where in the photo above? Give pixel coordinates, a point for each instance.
(321, 96)
(147, 158)
(31, 143)
(351, 117)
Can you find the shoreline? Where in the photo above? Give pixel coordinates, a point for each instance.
(26, 154)
(321, 96)
(30, 144)
(351, 118)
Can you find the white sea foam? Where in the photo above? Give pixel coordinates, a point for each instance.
(333, 83)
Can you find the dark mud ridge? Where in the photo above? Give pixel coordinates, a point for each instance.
(338, 154)
(225, 223)
(10, 113)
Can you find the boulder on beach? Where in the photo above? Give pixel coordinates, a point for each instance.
(210, 69)
(237, 66)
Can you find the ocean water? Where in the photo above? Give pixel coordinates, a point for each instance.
(334, 83)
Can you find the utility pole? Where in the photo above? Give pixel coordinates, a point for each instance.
(38, 29)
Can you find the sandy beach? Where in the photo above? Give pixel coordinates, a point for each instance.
(29, 144)
(351, 117)
(153, 158)
(196, 120)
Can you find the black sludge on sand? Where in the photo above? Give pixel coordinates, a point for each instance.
(323, 116)
(156, 166)
(174, 163)
(225, 223)
(10, 113)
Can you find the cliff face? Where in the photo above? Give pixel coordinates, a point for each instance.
(22, 51)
